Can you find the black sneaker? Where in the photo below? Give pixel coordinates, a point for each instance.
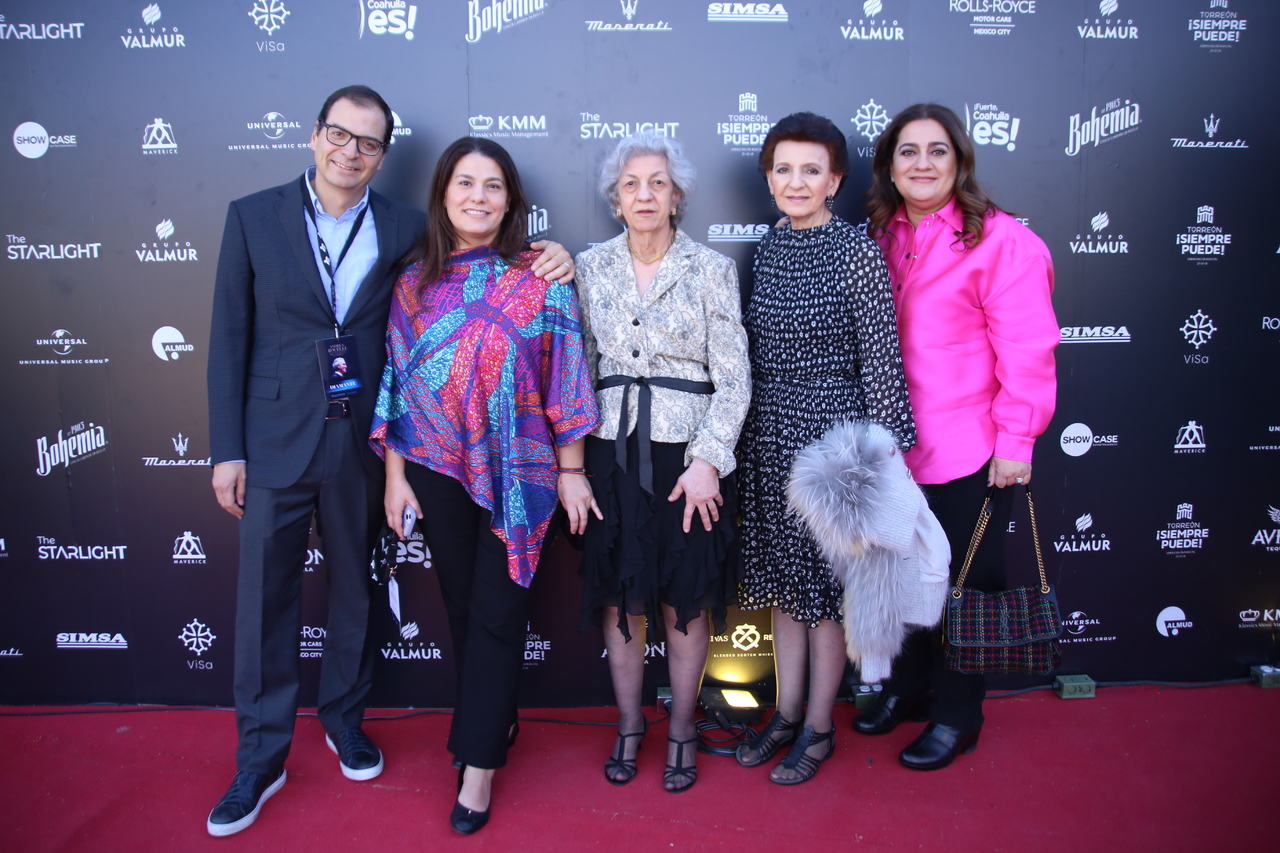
(241, 803)
(359, 758)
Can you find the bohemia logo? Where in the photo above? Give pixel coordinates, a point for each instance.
(168, 344)
(81, 442)
(92, 641)
(1171, 620)
(146, 36)
(870, 29)
(539, 224)
(1117, 119)
(759, 13)
(1105, 27)
(1217, 27)
(1106, 244)
(394, 17)
(157, 138)
(1182, 537)
(1269, 539)
(499, 15)
(164, 251)
(1211, 125)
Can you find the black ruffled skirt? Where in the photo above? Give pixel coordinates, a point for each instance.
(640, 556)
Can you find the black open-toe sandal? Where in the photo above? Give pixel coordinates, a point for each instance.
(626, 765)
(764, 743)
(800, 760)
(678, 772)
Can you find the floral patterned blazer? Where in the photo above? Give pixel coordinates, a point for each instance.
(688, 325)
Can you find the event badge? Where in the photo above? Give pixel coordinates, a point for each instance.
(340, 367)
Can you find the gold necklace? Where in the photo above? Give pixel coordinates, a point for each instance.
(659, 257)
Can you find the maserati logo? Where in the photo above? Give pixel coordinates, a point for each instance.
(180, 444)
(745, 638)
(1211, 125)
(629, 8)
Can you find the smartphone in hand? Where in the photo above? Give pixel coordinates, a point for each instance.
(408, 520)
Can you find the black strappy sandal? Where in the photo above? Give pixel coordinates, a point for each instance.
(763, 742)
(626, 765)
(678, 772)
(799, 758)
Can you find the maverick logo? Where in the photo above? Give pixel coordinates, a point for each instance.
(1269, 540)
(734, 232)
(168, 344)
(198, 639)
(21, 250)
(81, 442)
(1190, 439)
(499, 15)
(92, 641)
(1095, 334)
(1116, 120)
(164, 250)
(157, 138)
(47, 548)
(1184, 536)
(147, 36)
(1211, 125)
(1104, 244)
(391, 17)
(593, 128)
(1106, 27)
(760, 13)
(869, 28)
(187, 550)
(1217, 27)
(1171, 621)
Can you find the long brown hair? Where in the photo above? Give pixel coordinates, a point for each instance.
(439, 238)
(883, 199)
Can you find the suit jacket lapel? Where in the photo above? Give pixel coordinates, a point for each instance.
(673, 266)
(290, 210)
(388, 226)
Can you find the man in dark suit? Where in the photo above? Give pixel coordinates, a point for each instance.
(306, 269)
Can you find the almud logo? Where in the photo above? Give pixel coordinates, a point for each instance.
(1085, 538)
(1171, 621)
(168, 344)
(149, 35)
(81, 442)
(743, 132)
(32, 141)
(992, 17)
(1095, 334)
(157, 138)
(1078, 439)
(734, 232)
(102, 640)
(509, 126)
(873, 25)
(1118, 118)
(1217, 27)
(1109, 25)
(758, 13)
(987, 124)
(165, 250)
(1212, 125)
(1183, 536)
(1269, 540)
(499, 15)
(1098, 243)
(388, 17)
(593, 128)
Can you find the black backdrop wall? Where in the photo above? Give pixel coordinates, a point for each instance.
(1133, 135)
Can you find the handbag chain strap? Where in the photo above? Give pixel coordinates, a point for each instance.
(984, 516)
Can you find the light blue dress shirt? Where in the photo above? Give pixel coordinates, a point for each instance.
(360, 257)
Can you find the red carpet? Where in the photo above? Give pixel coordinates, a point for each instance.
(1137, 769)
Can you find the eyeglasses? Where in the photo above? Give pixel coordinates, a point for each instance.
(340, 136)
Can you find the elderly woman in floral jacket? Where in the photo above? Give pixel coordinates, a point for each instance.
(663, 334)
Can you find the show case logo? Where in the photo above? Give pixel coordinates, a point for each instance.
(629, 9)
(593, 128)
(1078, 439)
(987, 124)
(268, 15)
(39, 32)
(1203, 242)
(1084, 539)
(1118, 118)
(168, 344)
(1211, 126)
(1198, 329)
(80, 443)
(198, 639)
(1080, 626)
(101, 640)
(1098, 243)
(1217, 27)
(21, 250)
(1250, 618)
(157, 138)
(509, 126)
(1183, 536)
(1095, 334)
(736, 232)
(388, 17)
(1171, 621)
(1109, 25)
(165, 250)
(188, 550)
(873, 26)
(1190, 438)
(499, 15)
(32, 141)
(746, 13)
(1269, 540)
(539, 224)
(47, 548)
(743, 132)
(992, 17)
(149, 35)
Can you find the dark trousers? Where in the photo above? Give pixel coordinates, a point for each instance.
(957, 698)
(273, 549)
(488, 615)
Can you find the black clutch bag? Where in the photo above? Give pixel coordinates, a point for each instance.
(382, 562)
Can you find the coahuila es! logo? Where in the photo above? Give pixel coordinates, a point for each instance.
(104, 640)
(593, 128)
(539, 224)
(149, 35)
(743, 132)
(1183, 536)
(987, 124)
(1118, 118)
(872, 26)
(754, 13)
(81, 441)
(157, 138)
(389, 17)
(1098, 243)
(992, 17)
(869, 122)
(166, 249)
(1077, 440)
(188, 550)
(1269, 540)
(1197, 331)
(1077, 624)
(1171, 620)
(1084, 539)
(1094, 334)
(505, 127)
(198, 639)
(39, 32)
(168, 344)
(47, 548)
(180, 443)
(629, 9)
(736, 232)
(499, 15)
(21, 250)
(1211, 127)
(1217, 27)
(1204, 241)
(1268, 619)
(1110, 25)
(32, 141)
(1190, 438)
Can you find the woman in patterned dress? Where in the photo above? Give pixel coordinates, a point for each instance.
(824, 348)
(484, 405)
(664, 337)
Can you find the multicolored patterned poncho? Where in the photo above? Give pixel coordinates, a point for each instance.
(485, 377)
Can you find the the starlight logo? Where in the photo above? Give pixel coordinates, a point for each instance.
(149, 35)
(1269, 540)
(164, 249)
(20, 250)
(32, 141)
(197, 637)
(157, 138)
(1217, 27)
(1212, 124)
(1118, 118)
(47, 548)
(992, 17)
(1190, 438)
(499, 15)
(872, 26)
(1099, 243)
(1183, 536)
(39, 32)
(268, 15)
(168, 344)
(80, 442)
(188, 550)
(629, 9)
(1203, 242)
(1095, 334)
(736, 232)
(509, 126)
(1109, 25)
(101, 640)
(757, 13)
(1171, 621)
(387, 17)
(987, 124)
(743, 132)
(1078, 439)
(1198, 329)
(593, 128)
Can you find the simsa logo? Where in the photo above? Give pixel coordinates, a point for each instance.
(71, 640)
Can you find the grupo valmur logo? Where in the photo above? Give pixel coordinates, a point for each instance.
(32, 141)
(168, 344)
(163, 249)
(80, 443)
(1098, 243)
(1109, 24)
(874, 25)
(1171, 621)
(1078, 439)
(1118, 118)
(388, 17)
(149, 35)
(499, 15)
(745, 13)
(1085, 537)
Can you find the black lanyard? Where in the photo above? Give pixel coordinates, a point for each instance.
(330, 267)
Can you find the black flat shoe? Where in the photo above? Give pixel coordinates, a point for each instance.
(764, 744)
(618, 764)
(884, 714)
(463, 819)
(938, 746)
(799, 759)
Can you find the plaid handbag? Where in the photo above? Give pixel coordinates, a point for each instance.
(1012, 631)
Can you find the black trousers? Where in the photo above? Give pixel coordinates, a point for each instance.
(488, 615)
(957, 698)
(273, 548)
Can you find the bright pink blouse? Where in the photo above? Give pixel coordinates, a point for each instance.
(978, 332)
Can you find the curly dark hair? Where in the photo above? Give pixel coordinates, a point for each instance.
(808, 127)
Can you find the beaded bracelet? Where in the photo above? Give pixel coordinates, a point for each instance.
(582, 471)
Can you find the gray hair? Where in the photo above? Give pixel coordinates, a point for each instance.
(684, 177)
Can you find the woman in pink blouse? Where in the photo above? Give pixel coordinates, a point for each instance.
(973, 290)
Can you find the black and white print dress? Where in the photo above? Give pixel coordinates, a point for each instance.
(824, 347)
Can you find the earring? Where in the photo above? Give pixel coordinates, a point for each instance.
(831, 202)
(773, 201)
(617, 211)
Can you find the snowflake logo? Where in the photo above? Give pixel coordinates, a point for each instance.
(197, 637)
(1198, 329)
(269, 15)
(871, 120)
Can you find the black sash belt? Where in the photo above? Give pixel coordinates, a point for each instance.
(643, 415)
